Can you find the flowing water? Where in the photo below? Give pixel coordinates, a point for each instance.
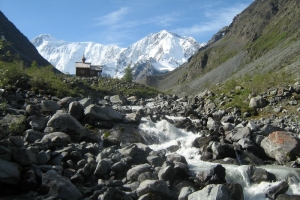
(162, 134)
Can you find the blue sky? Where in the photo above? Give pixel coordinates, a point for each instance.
(120, 22)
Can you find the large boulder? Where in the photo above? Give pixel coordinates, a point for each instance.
(132, 118)
(58, 187)
(102, 113)
(49, 106)
(122, 133)
(134, 172)
(31, 136)
(241, 133)
(282, 146)
(118, 99)
(37, 123)
(65, 101)
(216, 192)
(64, 137)
(103, 168)
(76, 110)
(258, 102)
(175, 157)
(159, 187)
(64, 122)
(23, 156)
(85, 102)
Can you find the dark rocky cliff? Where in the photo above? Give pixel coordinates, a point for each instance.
(20, 45)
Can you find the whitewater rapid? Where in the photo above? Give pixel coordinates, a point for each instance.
(162, 134)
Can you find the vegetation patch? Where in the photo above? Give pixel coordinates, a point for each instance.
(236, 92)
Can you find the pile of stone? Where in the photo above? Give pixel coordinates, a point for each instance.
(84, 148)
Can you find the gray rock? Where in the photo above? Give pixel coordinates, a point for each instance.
(76, 110)
(167, 174)
(274, 191)
(252, 126)
(258, 175)
(64, 137)
(245, 143)
(282, 146)
(185, 192)
(216, 192)
(217, 150)
(155, 160)
(33, 110)
(228, 126)
(65, 101)
(119, 167)
(159, 187)
(103, 168)
(241, 133)
(66, 123)
(9, 172)
(175, 157)
(16, 141)
(212, 124)
(123, 134)
(31, 136)
(42, 158)
(50, 106)
(114, 193)
(37, 123)
(236, 191)
(147, 176)
(267, 129)
(23, 156)
(129, 150)
(134, 172)
(257, 102)
(102, 113)
(203, 142)
(59, 187)
(248, 158)
(118, 99)
(132, 118)
(214, 175)
(85, 102)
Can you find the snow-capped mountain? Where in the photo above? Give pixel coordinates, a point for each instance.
(164, 51)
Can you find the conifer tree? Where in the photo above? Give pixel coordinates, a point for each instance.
(128, 76)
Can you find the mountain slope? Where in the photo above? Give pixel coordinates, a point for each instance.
(19, 44)
(263, 37)
(160, 52)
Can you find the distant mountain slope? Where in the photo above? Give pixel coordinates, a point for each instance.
(19, 43)
(163, 51)
(264, 37)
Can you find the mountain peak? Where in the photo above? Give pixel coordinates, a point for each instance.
(165, 33)
(37, 41)
(165, 51)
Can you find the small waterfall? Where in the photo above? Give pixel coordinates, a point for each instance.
(162, 134)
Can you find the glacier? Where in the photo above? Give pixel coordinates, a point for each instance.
(164, 50)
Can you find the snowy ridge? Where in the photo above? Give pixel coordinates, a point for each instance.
(166, 51)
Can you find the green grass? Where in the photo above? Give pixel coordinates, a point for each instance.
(251, 85)
(42, 80)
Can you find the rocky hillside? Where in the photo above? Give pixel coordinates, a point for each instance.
(264, 37)
(19, 46)
(95, 148)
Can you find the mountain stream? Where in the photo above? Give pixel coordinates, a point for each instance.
(162, 134)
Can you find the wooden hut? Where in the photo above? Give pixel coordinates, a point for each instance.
(86, 69)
